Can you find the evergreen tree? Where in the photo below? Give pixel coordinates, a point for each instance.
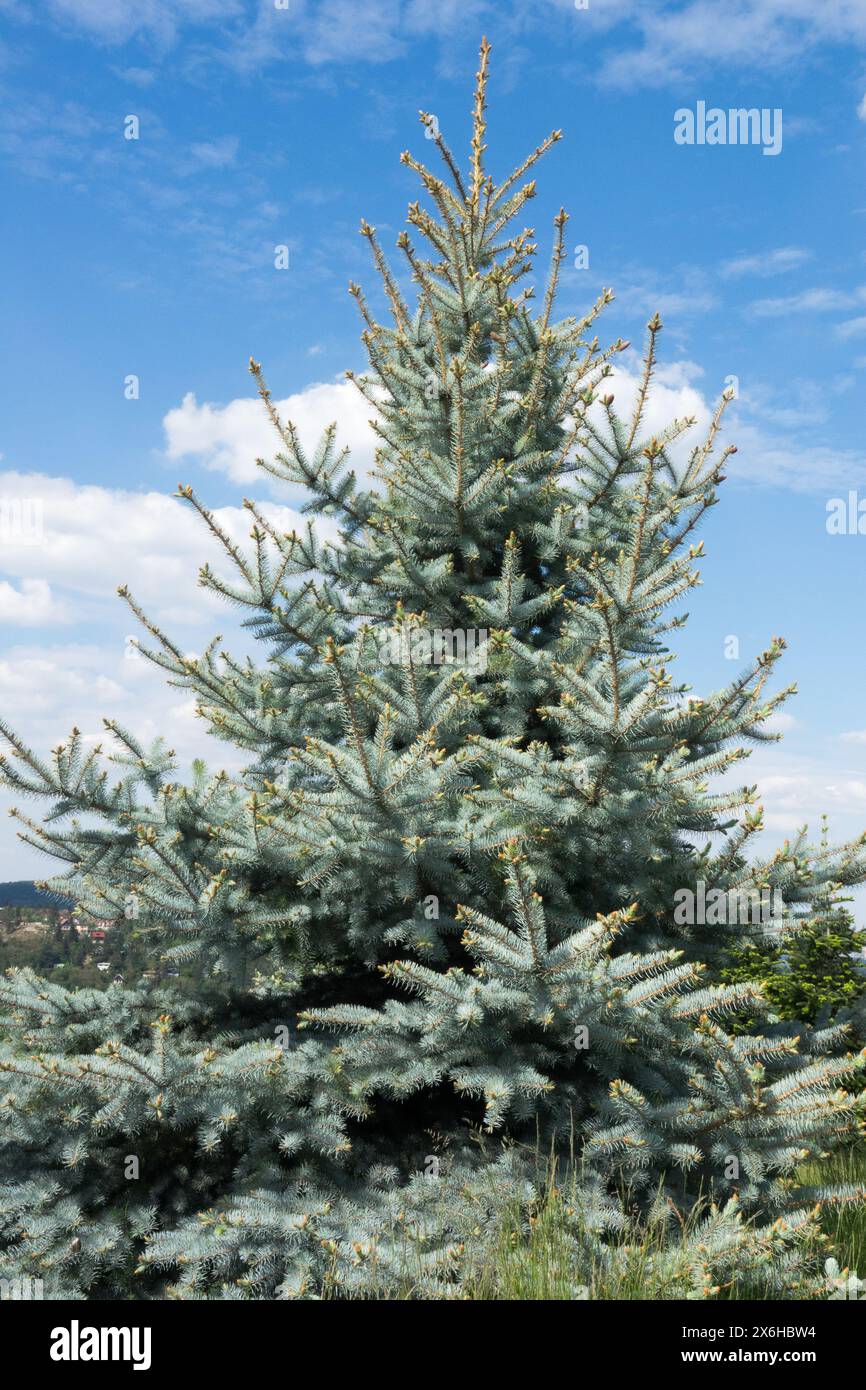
(813, 975)
(436, 913)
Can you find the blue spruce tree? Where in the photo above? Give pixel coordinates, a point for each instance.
(433, 928)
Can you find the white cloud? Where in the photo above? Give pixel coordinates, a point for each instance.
(785, 461)
(780, 722)
(808, 301)
(215, 154)
(796, 789)
(31, 605)
(778, 458)
(67, 547)
(851, 328)
(678, 293)
(116, 21)
(49, 688)
(94, 539)
(651, 45)
(861, 109)
(793, 799)
(765, 263)
(46, 690)
(64, 565)
(671, 397)
(229, 438)
(673, 42)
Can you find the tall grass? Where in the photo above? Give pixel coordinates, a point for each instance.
(539, 1255)
(543, 1263)
(845, 1225)
(539, 1262)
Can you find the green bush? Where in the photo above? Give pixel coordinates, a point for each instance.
(812, 977)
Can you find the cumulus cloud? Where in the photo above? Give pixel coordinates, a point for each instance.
(92, 539)
(31, 605)
(780, 722)
(46, 689)
(780, 457)
(672, 396)
(797, 790)
(65, 549)
(229, 438)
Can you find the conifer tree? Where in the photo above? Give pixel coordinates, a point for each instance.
(814, 975)
(432, 926)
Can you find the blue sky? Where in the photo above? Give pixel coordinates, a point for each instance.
(262, 126)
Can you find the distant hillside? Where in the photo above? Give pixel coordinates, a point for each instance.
(25, 894)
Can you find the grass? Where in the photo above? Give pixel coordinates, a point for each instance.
(845, 1225)
(539, 1263)
(543, 1258)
